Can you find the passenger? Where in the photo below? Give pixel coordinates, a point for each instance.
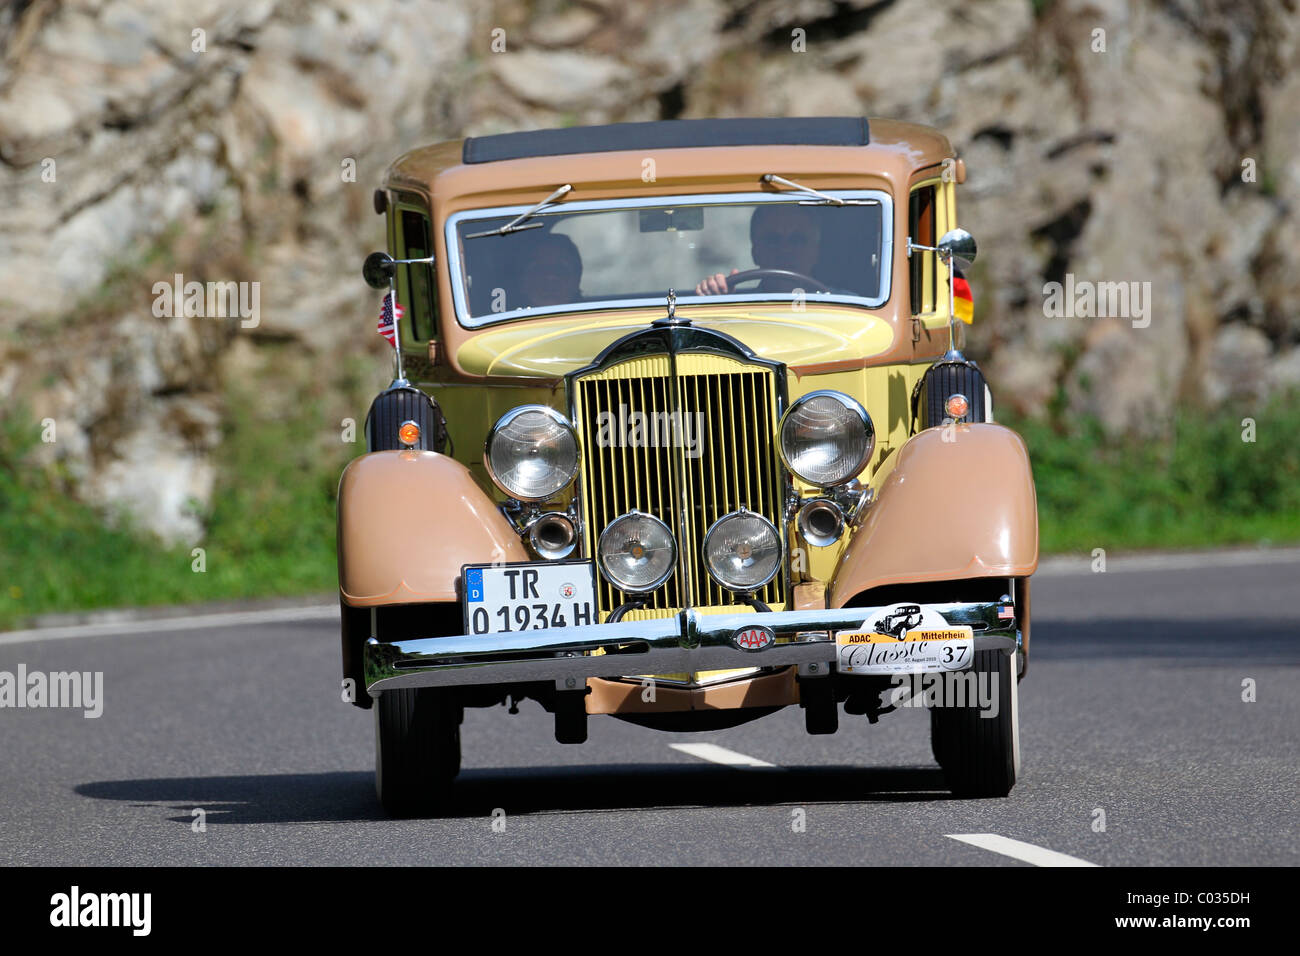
(551, 271)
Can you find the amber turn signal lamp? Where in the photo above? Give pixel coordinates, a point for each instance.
(409, 434)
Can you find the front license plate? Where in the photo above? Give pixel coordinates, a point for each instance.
(505, 598)
(918, 651)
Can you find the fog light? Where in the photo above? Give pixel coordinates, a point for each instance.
(636, 552)
(742, 551)
(957, 406)
(409, 434)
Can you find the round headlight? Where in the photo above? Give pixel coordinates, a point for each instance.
(637, 552)
(826, 438)
(531, 452)
(742, 551)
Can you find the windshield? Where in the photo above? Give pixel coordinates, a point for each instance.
(585, 255)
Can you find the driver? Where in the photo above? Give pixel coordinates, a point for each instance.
(782, 236)
(551, 273)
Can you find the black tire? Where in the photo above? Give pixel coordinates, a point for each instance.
(417, 751)
(980, 756)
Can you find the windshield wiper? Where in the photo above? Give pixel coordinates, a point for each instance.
(515, 225)
(821, 199)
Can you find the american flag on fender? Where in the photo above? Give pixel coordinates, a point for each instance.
(390, 313)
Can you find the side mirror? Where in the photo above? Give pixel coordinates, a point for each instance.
(957, 244)
(378, 270)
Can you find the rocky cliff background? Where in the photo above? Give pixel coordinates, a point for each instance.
(242, 141)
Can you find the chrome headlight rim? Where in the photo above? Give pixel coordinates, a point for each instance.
(776, 566)
(850, 403)
(660, 581)
(505, 420)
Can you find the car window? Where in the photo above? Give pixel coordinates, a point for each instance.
(577, 256)
(921, 226)
(415, 285)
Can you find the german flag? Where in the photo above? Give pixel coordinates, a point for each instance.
(962, 302)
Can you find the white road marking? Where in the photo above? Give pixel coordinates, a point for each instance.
(716, 754)
(1018, 849)
(317, 612)
(1061, 565)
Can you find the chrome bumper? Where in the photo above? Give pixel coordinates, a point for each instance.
(687, 642)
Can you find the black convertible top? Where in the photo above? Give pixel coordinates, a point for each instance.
(670, 134)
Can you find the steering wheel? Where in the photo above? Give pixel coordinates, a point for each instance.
(733, 280)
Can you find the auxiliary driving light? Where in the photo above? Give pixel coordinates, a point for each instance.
(637, 552)
(742, 551)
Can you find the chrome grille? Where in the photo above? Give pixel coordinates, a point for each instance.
(736, 407)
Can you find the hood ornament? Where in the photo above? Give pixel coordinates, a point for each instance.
(671, 318)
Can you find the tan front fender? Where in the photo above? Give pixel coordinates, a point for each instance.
(408, 520)
(948, 510)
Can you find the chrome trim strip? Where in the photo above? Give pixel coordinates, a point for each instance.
(685, 643)
(461, 306)
(681, 338)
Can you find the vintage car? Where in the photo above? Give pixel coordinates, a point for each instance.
(681, 433)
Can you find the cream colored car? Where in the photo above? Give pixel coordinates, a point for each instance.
(682, 435)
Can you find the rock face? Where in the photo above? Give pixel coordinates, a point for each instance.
(1105, 141)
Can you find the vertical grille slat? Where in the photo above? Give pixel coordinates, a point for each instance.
(736, 463)
(745, 494)
(767, 466)
(671, 596)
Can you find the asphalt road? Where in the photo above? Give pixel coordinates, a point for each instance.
(1132, 706)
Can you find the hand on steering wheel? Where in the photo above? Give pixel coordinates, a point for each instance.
(719, 284)
(738, 277)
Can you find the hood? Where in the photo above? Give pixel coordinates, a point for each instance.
(551, 348)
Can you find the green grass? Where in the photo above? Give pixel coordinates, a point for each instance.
(270, 524)
(1200, 485)
(271, 520)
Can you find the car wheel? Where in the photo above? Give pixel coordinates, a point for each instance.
(980, 756)
(417, 750)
